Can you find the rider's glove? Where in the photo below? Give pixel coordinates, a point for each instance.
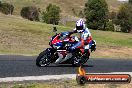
(93, 47)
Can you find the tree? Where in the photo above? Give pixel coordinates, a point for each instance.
(6, 8)
(130, 1)
(52, 14)
(30, 13)
(112, 15)
(96, 12)
(109, 26)
(124, 17)
(0, 4)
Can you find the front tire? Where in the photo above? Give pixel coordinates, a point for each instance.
(43, 60)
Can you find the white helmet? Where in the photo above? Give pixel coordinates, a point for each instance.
(80, 25)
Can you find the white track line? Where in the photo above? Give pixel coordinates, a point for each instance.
(50, 77)
(37, 78)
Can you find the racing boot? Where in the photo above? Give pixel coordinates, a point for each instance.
(68, 56)
(59, 59)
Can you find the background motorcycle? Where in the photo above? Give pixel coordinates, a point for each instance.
(59, 44)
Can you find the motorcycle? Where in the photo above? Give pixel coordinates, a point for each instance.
(60, 44)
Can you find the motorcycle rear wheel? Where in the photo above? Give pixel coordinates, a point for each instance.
(79, 60)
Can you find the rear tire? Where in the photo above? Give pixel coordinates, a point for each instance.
(79, 59)
(76, 63)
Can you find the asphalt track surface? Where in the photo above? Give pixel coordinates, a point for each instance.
(20, 66)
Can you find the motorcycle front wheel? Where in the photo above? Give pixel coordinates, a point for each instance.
(43, 60)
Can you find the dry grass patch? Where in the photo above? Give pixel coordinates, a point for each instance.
(112, 52)
(65, 5)
(63, 84)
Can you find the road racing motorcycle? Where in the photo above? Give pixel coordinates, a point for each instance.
(61, 43)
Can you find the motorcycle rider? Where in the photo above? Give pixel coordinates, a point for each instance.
(85, 40)
(85, 36)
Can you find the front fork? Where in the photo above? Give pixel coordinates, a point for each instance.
(87, 52)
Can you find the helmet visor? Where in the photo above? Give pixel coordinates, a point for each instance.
(79, 27)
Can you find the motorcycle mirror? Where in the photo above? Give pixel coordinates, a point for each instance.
(54, 29)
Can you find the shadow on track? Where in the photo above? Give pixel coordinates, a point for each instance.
(68, 65)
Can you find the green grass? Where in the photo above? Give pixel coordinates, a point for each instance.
(112, 38)
(68, 24)
(20, 36)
